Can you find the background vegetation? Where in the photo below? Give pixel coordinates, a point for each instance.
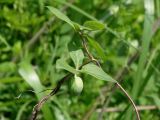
(32, 39)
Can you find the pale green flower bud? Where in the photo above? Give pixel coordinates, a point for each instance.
(77, 84)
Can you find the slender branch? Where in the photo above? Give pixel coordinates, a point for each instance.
(84, 44)
(38, 106)
(139, 108)
(118, 77)
(104, 90)
(130, 99)
(91, 58)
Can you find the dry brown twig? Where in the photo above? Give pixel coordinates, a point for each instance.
(139, 108)
(38, 106)
(84, 44)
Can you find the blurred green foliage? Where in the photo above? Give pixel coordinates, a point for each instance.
(20, 20)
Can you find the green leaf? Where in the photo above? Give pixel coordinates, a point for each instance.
(77, 57)
(21, 110)
(10, 80)
(61, 64)
(58, 114)
(61, 107)
(17, 48)
(96, 72)
(30, 76)
(84, 13)
(97, 47)
(7, 67)
(79, 27)
(3, 40)
(60, 15)
(94, 25)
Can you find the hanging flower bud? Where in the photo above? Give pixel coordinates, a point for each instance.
(77, 84)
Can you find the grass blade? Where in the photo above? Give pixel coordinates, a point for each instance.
(77, 9)
(19, 114)
(30, 76)
(146, 38)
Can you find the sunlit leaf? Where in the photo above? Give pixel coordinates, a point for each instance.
(94, 25)
(30, 76)
(77, 57)
(97, 72)
(60, 15)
